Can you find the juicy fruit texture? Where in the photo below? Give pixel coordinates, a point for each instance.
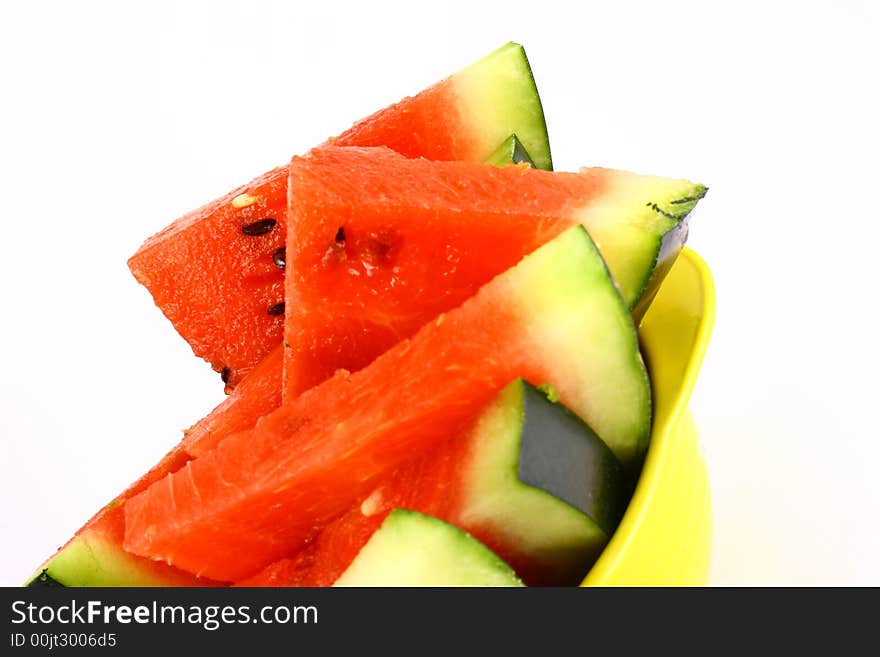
(413, 549)
(379, 244)
(555, 317)
(286, 572)
(95, 557)
(325, 558)
(259, 392)
(528, 479)
(217, 272)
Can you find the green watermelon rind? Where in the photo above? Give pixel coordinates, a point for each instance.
(499, 96)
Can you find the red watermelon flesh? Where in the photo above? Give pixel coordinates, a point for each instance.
(427, 484)
(217, 272)
(295, 571)
(379, 244)
(324, 559)
(259, 495)
(450, 482)
(347, 316)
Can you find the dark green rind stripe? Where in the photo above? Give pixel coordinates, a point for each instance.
(671, 244)
(687, 203)
(511, 151)
(561, 455)
(542, 161)
(520, 155)
(44, 579)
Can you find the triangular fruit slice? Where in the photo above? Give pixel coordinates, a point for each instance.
(379, 244)
(529, 479)
(555, 318)
(217, 272)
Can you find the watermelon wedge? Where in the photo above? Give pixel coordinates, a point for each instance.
(556, 317)
(259, 395)
(528, 479)
(379, 244)
(217, 272)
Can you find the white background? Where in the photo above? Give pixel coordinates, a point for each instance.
(115, 118)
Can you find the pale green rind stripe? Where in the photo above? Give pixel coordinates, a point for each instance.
(414, 549)
(540, 525)
(498, 97)
(91, 560)
(583, 332)
(628, 223)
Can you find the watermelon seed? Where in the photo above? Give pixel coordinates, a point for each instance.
(260, 227)
(340, 235)
(224, 375)
(277, 309)
(372, 504)
(279, 257)
(243, 201)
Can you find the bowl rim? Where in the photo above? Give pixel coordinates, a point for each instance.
(659, 447)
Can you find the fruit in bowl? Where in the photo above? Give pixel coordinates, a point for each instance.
(390, 322)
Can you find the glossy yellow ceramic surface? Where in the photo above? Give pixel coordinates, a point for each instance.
(665, 536)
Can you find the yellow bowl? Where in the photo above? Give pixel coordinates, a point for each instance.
(665, 536)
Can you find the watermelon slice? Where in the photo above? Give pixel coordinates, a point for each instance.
(259, 395)
(556, 317)
(379, 244)
(217, 272)
(528, 479)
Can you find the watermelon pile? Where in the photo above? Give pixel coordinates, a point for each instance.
(427, 337)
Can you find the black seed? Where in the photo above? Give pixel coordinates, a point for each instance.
(260, 227)
(340, 235)
(277, 309)
(279, 257)
(224, 375)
